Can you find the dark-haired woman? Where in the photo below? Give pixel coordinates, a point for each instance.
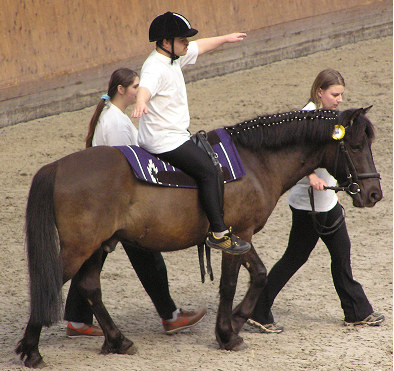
(112, 127)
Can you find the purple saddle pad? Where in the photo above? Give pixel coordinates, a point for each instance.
(151, 169)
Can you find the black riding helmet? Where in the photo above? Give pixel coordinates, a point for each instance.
(170, 25)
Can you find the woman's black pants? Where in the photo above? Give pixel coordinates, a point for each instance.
(302, 240)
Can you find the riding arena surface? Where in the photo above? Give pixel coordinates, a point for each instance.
(308, 306)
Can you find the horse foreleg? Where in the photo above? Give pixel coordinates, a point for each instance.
(89, 286)
(28, 346)
(225, 335)
(258, 279)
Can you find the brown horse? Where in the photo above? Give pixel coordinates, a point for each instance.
(80, 202)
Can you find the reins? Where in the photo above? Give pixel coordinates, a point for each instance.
(321, 229)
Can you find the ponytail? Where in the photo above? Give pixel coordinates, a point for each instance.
(93, 123)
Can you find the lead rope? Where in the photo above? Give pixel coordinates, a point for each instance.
(323, 230)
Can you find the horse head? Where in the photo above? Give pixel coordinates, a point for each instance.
(350, 158)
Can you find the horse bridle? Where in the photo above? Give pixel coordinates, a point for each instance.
(352, 188)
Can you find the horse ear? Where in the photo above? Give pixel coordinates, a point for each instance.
(355, 114)
(367, 109)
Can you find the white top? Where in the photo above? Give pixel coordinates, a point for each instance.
(324, 200)
(165, 126)
(114, 128)
(310, 107)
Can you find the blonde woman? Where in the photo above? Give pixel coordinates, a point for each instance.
(326, 93)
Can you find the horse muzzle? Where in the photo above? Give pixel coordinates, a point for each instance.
(366, 195)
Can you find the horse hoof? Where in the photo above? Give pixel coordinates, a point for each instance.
(239, 347)
(235, 344)
(38, 363)
(33, 358)
(132, 350)
(127, 347)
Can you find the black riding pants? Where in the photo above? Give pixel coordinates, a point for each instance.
(152, 272)
(194, 162)
(302, 240)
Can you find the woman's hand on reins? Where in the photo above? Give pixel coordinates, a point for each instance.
(316, 182)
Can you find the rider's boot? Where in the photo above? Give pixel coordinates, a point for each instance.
(229, 243)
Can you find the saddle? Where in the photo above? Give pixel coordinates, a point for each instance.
(201, 139)
(149, 168)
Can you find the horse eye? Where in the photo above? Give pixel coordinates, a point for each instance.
(356, 147)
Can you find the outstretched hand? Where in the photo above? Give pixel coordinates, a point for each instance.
(235, 37)
(211, 43)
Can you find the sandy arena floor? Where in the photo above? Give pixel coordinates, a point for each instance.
(308, 307)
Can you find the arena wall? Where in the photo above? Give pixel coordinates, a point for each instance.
(57, 55)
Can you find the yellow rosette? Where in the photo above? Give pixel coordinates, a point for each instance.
(339, 132)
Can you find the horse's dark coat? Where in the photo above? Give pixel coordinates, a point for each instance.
(88, 197)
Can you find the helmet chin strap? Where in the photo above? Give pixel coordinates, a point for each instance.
(172, 55)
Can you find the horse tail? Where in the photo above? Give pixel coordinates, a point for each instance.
(43, 250)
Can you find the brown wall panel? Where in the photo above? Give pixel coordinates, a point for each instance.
(43, 38)
(57, 56)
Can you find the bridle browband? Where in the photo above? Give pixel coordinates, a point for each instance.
(352, 188)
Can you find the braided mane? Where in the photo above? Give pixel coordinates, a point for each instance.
(283, 129)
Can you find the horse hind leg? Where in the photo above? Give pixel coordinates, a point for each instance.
(89, 286)
(28, 346)
(258, 279)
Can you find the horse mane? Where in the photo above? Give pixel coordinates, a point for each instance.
(284, 129)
